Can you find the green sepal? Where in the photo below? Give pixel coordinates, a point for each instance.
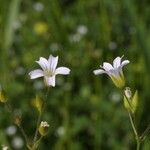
(127, 104)
(134, 101)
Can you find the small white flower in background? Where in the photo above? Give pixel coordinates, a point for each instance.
(74, 38)
(16, 25)
(61, 131)
(17, 142)
(38, 6)
(11, 130)
(115, 97)
(114, 71)
(80, 32)
(49, 70)
(4, 147)
(82, 29)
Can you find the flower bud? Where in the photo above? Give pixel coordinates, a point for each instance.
(128, 92)
(17, 119)
(130, 102)
(40, 28)
(38, 103)
(3, 98)
(43, 128)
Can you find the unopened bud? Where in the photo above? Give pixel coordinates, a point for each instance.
(3, 98)
(18, 120)
(38, 103)
(43, 128)
(130, 101)
(128, 92)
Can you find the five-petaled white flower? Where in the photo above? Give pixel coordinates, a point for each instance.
(114, 71)
(49, 70)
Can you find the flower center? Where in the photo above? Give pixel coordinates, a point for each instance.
(48, 73)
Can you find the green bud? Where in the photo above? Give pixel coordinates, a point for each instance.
(128, 92)
(3, 98)
(18, 120)
(130, 101)
(43, 128)
(38, 103)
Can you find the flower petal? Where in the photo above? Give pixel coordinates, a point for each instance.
(117, 62)
(52, 62)
(99, 71)
(125, 62)
(43, 63)
(36, 74)
(50, 81)
(114, 73)
(62, 70)
(107, 66)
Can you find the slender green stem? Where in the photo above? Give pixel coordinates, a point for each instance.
(19, 126)
(39, 119)
(34, 147)
(145, 133)
(24, 135)
(38, 141)
(135, 132)
(9, 109)
(138, 145)
(133, 126)
(38, 123)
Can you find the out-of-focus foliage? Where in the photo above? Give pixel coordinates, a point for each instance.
(84, 111)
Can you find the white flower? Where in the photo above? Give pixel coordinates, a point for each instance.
(74, 38)
(4, 147)
(17, 142)
(82, 29)
(38, 6)
(44, 124)
(114, 71)
(11, 130)
(49, 70)
(61, 131)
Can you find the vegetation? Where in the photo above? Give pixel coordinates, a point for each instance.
(84, 111)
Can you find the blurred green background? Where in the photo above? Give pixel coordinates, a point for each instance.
(85, 112)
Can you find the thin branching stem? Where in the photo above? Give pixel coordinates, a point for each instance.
(11, 111)
(37, 126)
(24, 135)
(145, 133)
(39, 119)
(135, 132)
